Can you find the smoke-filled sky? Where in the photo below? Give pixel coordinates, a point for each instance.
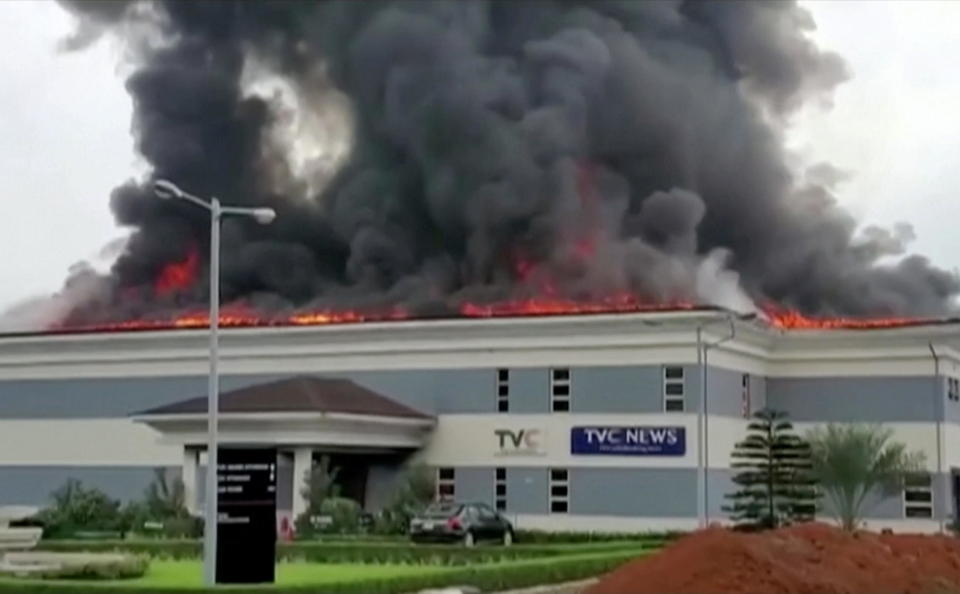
(65, 144)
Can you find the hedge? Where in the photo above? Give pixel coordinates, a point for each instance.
(488, 577)
(124, 567)
(356, 552)
(544, 537)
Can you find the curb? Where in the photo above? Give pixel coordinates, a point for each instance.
(562, 588)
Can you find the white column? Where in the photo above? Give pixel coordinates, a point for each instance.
(188, 474)
(302, 462)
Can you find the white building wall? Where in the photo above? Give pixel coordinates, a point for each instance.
(83, 442)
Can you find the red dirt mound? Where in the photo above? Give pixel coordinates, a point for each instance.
(805, 559)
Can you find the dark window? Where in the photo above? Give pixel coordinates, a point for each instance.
(674, 389)
(558, 491)
(673, 373)
(558, 506)
(501, 504)
(445, 474)
(558, 475)
(503, 390)
(744, 380)
(919, 512)
(503, 406)
(561, 405)
(501, 474)
(561, 375)
(503, 375)
(445, 489)
(674, 406)
(501, 490)
(561, 389)
(918, 496)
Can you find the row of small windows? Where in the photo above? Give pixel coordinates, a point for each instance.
(558, 488)
(674, 390)
(561, 389)
(917, 491)
(918, 496)
(500, 489)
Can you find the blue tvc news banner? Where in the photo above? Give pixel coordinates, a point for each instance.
(628, 441)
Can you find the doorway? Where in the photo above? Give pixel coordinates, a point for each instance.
(955, 482)
(360, 476)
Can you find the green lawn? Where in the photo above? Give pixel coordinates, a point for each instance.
(189, 574)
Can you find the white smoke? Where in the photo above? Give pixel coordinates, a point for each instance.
(41, 313)
(718, 285)
(86, 281)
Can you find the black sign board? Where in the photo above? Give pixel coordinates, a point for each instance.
(247, 522)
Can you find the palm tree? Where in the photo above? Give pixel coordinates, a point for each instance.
(852, 461)
(166, 498)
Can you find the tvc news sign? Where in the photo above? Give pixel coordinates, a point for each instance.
(628, 441)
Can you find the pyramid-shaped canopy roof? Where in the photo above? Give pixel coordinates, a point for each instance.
(297, 394)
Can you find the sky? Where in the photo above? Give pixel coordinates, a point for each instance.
(65, 137)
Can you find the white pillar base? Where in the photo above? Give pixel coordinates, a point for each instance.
(188, 474)
(302, 463)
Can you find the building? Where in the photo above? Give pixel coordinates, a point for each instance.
(583, 422)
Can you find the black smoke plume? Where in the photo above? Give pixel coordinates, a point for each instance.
(497, 149)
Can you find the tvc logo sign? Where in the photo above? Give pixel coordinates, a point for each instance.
(519, 442)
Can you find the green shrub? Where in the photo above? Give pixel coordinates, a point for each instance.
(113, 567)
(129, 567)
(319, 484)
(344, 515)
(416, 491)
(78, 508)
(161, 549)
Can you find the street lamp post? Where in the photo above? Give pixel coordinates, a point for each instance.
(166, 190)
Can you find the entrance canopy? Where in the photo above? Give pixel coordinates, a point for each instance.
(303, 411)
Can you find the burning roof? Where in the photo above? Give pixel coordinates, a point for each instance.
(240, 317)
(483, 159)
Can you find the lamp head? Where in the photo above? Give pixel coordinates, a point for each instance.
(264, 216)
(166, 189)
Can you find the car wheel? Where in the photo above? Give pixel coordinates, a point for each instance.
(469, 539)
(507, 537)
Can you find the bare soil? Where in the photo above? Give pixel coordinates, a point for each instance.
(804, 559)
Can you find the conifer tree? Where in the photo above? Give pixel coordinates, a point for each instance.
(776, 485)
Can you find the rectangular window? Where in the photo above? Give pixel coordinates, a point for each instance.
(446, 481)
(500, 488)
(953, 389)
(918, 496)
(745, 396)
(560, 389)
(673, 389)
(503, 390)
(559, 491)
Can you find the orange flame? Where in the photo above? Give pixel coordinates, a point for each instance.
(242, 316)
(177, 276)
(545, 306)
(790, 319)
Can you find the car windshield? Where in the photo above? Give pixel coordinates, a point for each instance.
(442, 510)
